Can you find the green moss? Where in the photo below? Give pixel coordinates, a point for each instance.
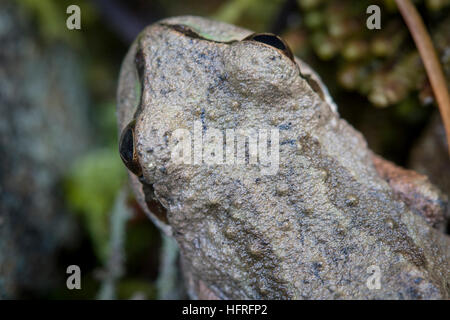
(257, 15)
(91, 187)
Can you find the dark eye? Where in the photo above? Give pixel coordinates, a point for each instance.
(186, 30)
(127, 149)
(273, 41)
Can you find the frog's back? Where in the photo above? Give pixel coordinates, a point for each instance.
(312, 228)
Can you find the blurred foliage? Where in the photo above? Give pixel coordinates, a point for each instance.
(254, 14)
(382, 65)
(91, 187)
(136, 289)
(51, 15)
(366, 68)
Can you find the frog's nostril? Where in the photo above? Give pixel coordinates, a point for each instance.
(127, 150)
(273, 41)
(139, 61)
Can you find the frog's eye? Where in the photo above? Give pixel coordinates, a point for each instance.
(272, 40)
(127, 149)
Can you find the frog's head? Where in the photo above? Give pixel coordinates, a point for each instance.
(183, 65)
(187, 69)
(254, 64)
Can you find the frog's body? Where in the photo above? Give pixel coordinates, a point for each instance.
(313, 229)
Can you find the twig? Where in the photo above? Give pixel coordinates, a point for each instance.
(430, 60)
(169, 282)
(115, 266)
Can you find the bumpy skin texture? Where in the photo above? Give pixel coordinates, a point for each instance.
(311, 230)
(416, 191)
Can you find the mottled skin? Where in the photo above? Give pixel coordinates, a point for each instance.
(308, 232)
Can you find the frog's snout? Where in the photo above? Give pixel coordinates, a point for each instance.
(127, 149)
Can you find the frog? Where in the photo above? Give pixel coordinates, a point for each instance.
(329, 222)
